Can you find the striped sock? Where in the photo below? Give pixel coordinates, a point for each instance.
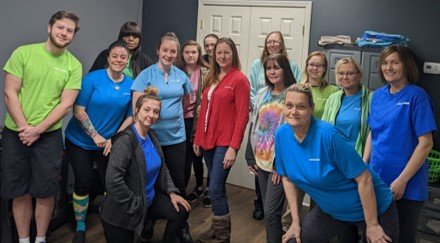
(80, 205)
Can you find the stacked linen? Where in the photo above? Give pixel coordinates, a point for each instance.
(338, 39)
(377, 39)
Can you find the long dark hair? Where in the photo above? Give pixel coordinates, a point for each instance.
(127, 29)
(283, 62)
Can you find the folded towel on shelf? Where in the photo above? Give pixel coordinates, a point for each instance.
(338, 39)
(378, 39)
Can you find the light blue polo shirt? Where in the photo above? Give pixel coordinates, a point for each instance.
(170, 127)
(325, 166)
(106, 103)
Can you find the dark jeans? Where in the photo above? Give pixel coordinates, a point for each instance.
(162, 208)
(217, 185)
(273, 200)
(318, 226)
(82, 164)
(192, 158)
(258, 197)
(409, 211)
(175, 161)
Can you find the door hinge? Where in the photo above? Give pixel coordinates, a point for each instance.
(304, 29)
(201, 24)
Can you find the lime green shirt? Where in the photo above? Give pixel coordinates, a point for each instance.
(44, 77)
(127, 70)
(320, 97)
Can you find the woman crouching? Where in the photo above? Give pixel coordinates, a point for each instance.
(314, 157)
(139, 186)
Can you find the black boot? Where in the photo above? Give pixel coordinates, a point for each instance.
(185, 236)
(147, 231)
(258, 213)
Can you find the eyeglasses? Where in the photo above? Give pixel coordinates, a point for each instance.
(273, 43)
(314, 65)
(349, 74)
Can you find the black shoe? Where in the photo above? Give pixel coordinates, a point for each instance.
(258, 213)
(195, 195)
(147, 231)
(206, 201)
(79, 237)
(185, 236)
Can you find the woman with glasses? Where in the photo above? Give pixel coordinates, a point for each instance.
(314, 157)
(315, 72)
(348, 109)
(402, 123)
(131, 35)
(274, 43)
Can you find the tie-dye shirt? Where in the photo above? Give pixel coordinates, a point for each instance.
(270, 111)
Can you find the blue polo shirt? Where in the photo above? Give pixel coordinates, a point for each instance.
(348, 119)
(396, 122)
(170, 128)
(106, 103)
(324, 165)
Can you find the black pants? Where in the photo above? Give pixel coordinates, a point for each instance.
(318, 226)
(82, 164)
(409, 211)
(192, 158)
(162, 208)
(175, 160)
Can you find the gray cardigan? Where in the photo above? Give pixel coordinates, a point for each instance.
(125, 204)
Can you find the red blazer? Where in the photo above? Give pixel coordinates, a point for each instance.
(228, 113)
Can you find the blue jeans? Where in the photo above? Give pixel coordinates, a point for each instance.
(217, 185)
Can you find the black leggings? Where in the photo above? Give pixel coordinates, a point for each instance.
(192, 158)
(162, 208)
(175, 161)
(82, 164)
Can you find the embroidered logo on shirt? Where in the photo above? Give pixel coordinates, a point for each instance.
(60, 69)
(314, 160)
(229, 87)
(404, 103)
(126, 93)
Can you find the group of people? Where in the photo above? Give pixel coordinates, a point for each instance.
(359, 155)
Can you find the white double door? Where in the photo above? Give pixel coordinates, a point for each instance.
(247, 23)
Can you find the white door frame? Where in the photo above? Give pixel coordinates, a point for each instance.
(307, 5)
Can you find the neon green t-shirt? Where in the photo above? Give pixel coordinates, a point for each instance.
(320, 97)
(44, 77)
(127, 70)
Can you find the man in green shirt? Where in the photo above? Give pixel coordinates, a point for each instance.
(41, 84)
